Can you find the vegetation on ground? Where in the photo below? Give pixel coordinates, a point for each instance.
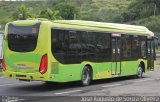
(139, 12)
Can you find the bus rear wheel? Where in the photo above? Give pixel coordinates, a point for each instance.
(140, 71)
(86, 76)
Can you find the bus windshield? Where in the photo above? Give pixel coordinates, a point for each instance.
(22, 38)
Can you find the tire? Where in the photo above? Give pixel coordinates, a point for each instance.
(86, 76)
(140, 71)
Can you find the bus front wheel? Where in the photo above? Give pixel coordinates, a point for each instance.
(86, 76)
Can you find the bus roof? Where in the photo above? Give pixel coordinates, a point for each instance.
(101, 26)
(93, 26)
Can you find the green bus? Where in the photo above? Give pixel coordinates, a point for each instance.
(76, 50)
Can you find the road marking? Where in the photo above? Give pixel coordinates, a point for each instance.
(15, 100)
(13, 84)
(111, 85)
(68, 92)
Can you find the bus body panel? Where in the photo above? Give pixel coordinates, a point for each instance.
(56, 71)
(25, 65)
(66, 73)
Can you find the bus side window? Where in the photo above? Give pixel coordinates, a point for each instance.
(57, 40)
(74, 48)
(126, 47)
(143, 46)
(135, 47)
(156, 43)
(154, 48)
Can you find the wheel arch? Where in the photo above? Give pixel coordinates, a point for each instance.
(90, 67)
(143, 66)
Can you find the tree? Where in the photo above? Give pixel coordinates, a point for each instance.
(156, 2)
(50, 14)
(156, 5)
(22, 13)
(153, 23)
(139, 9)
(68, 12)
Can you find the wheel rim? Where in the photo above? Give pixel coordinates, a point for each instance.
(86, 76)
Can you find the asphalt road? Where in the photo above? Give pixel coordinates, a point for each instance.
(149, 85)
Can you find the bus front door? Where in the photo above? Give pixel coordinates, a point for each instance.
(116, 52)
(150, 54)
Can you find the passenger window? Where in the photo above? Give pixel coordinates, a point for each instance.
(71, 47)
(143, 46)
(130, 47)
(126, 46)
(135, 47)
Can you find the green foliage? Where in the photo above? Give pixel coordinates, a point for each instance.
(68, 12)
(118, 18)
(156, 2)
(103, 10)
(49, 14)
(97, 10)
(139, 9)
(22, 13)
(138, 12)
(153, 23)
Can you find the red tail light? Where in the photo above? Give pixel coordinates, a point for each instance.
(43, 64)
(3, 65)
